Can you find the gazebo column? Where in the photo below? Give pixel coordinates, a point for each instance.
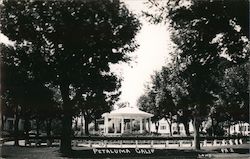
(141, 125)
(122, 126)
(105, 125)
(144, 123)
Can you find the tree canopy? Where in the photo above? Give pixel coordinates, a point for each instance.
(70, 44)
(236, 93)
(209, 37)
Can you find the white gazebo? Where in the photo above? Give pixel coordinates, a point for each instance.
(125, 120)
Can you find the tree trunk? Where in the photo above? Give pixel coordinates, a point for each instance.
(65, 146)
(212, 126)
(229, 125)
(37, 132)
(26, 125)
(48, 127)
(1, 121)
(96, 125)
(157, 126)
(86, 125)
(16, 132)
(37, 127)
(170, 127)
(240, 127)
(76, 124)
(81, 125)
(178, 128)
(48, 131)
(234, 128)
(196, 125)
(26, 129)
(186, 127)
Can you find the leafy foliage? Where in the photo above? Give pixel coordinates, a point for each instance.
(147, 102)
(209, 37)
(165, 97)
(236, 93)
(70, 45)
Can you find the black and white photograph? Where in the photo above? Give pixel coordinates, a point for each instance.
(124, 79)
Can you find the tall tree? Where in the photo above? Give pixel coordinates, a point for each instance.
(236, 93)
(13, 92)
(164, 99)
(97, 101)
(174, 85)
(68, 43)
(147, 101)
(158, 100)
(209, 37)
(26, 97)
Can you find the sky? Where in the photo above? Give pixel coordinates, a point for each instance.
(150, 56)
(5, 40)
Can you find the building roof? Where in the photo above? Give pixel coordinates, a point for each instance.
(128, 112)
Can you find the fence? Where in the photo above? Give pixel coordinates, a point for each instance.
(140, 141)
(157, 142)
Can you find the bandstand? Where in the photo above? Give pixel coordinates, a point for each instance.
(126, 120)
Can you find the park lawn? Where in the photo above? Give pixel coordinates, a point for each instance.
(43, 152)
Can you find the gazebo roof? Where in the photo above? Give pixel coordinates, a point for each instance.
(128, 112)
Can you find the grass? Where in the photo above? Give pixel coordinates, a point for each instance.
(43, 152)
